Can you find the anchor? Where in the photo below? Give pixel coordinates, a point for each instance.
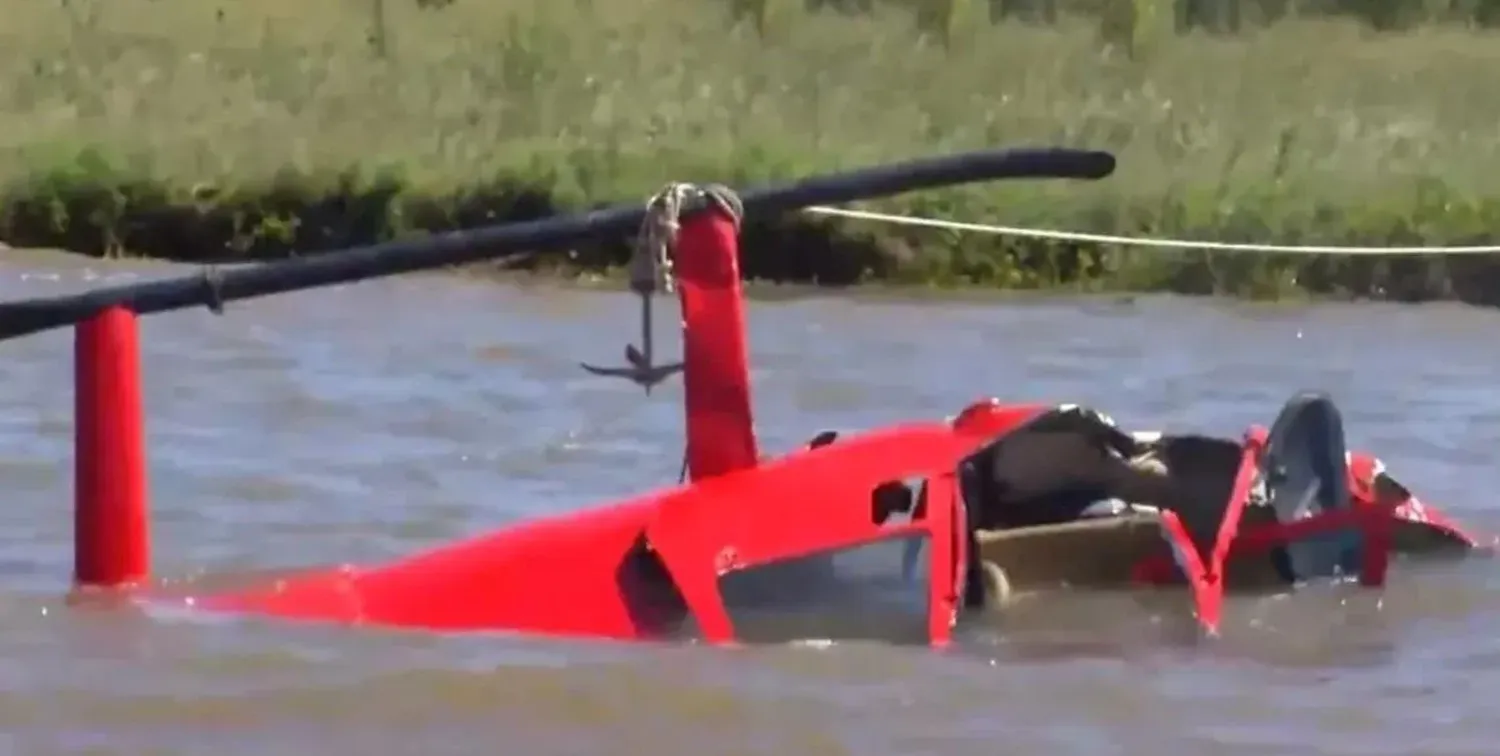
(641, 370)
(650, 267)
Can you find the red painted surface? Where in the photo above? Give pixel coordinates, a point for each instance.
(1203, 583)
(568, 575)
(1205, 573)
(1374, 517)
(564, 575)
(810, 502)
(990, 418)
(716, 357)
(584, 573)
(1263, 538)
(111, 521)
(948, 557)
(1363, 469)
(1209, 596)
(1379, 532)
(574, 574)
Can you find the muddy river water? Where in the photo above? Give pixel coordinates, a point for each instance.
(363, 422)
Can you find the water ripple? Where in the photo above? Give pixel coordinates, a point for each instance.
(366, 421)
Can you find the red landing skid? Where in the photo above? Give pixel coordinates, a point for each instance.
(637, 568)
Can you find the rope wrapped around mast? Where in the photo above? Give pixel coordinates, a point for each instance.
(651, 269)
(651, 262)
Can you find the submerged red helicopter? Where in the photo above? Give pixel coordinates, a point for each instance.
(1273, 508)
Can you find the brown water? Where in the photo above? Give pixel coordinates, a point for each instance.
(364, 422)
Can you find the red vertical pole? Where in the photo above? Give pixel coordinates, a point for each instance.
(715, 353)
(111, 536)
(949, 558)
(1378, 523)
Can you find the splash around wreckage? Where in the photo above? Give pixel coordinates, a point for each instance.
(1002, 500)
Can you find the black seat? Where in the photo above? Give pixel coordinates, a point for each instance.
(1304, 472)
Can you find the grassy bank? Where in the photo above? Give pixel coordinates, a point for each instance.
(216, 130)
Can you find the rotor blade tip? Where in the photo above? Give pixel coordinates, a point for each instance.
(1098, 164)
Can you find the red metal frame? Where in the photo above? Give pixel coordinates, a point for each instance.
(810, 502)
(1375, 518)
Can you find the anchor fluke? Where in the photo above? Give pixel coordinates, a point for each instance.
(640, 370)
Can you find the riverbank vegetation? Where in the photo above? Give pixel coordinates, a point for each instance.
(217, 131)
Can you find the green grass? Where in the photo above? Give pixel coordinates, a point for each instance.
(212, 130)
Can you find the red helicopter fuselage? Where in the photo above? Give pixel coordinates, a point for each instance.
(638, 568)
